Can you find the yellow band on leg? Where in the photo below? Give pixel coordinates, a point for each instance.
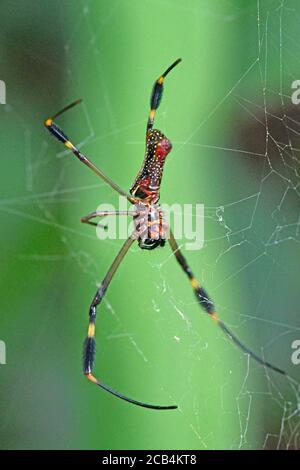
(194, 283)
(91, 330)
(91, 378)
(215, 317)
(69, 144)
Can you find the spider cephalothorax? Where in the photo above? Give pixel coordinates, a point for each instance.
(151, 227)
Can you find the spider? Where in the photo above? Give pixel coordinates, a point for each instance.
(151, 231)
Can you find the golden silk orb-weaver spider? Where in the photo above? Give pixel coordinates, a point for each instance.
(150, 230)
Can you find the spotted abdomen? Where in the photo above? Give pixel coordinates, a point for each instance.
(148, 180)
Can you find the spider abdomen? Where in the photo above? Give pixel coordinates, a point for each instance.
(147, 183)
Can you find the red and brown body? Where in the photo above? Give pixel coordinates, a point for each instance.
(150, 223)
(147, 183)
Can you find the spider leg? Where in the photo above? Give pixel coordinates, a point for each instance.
(156, 94)
(89, 350)
(57, 132)
(207, 304)
(87, 218)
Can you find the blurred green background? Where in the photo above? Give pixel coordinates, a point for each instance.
(227, 109)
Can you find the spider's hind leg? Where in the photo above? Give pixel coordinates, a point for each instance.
(156, 94)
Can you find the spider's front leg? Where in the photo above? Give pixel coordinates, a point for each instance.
(206, 303)
(89, 351)
(90, 344)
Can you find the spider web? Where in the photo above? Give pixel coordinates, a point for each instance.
(251, 250)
